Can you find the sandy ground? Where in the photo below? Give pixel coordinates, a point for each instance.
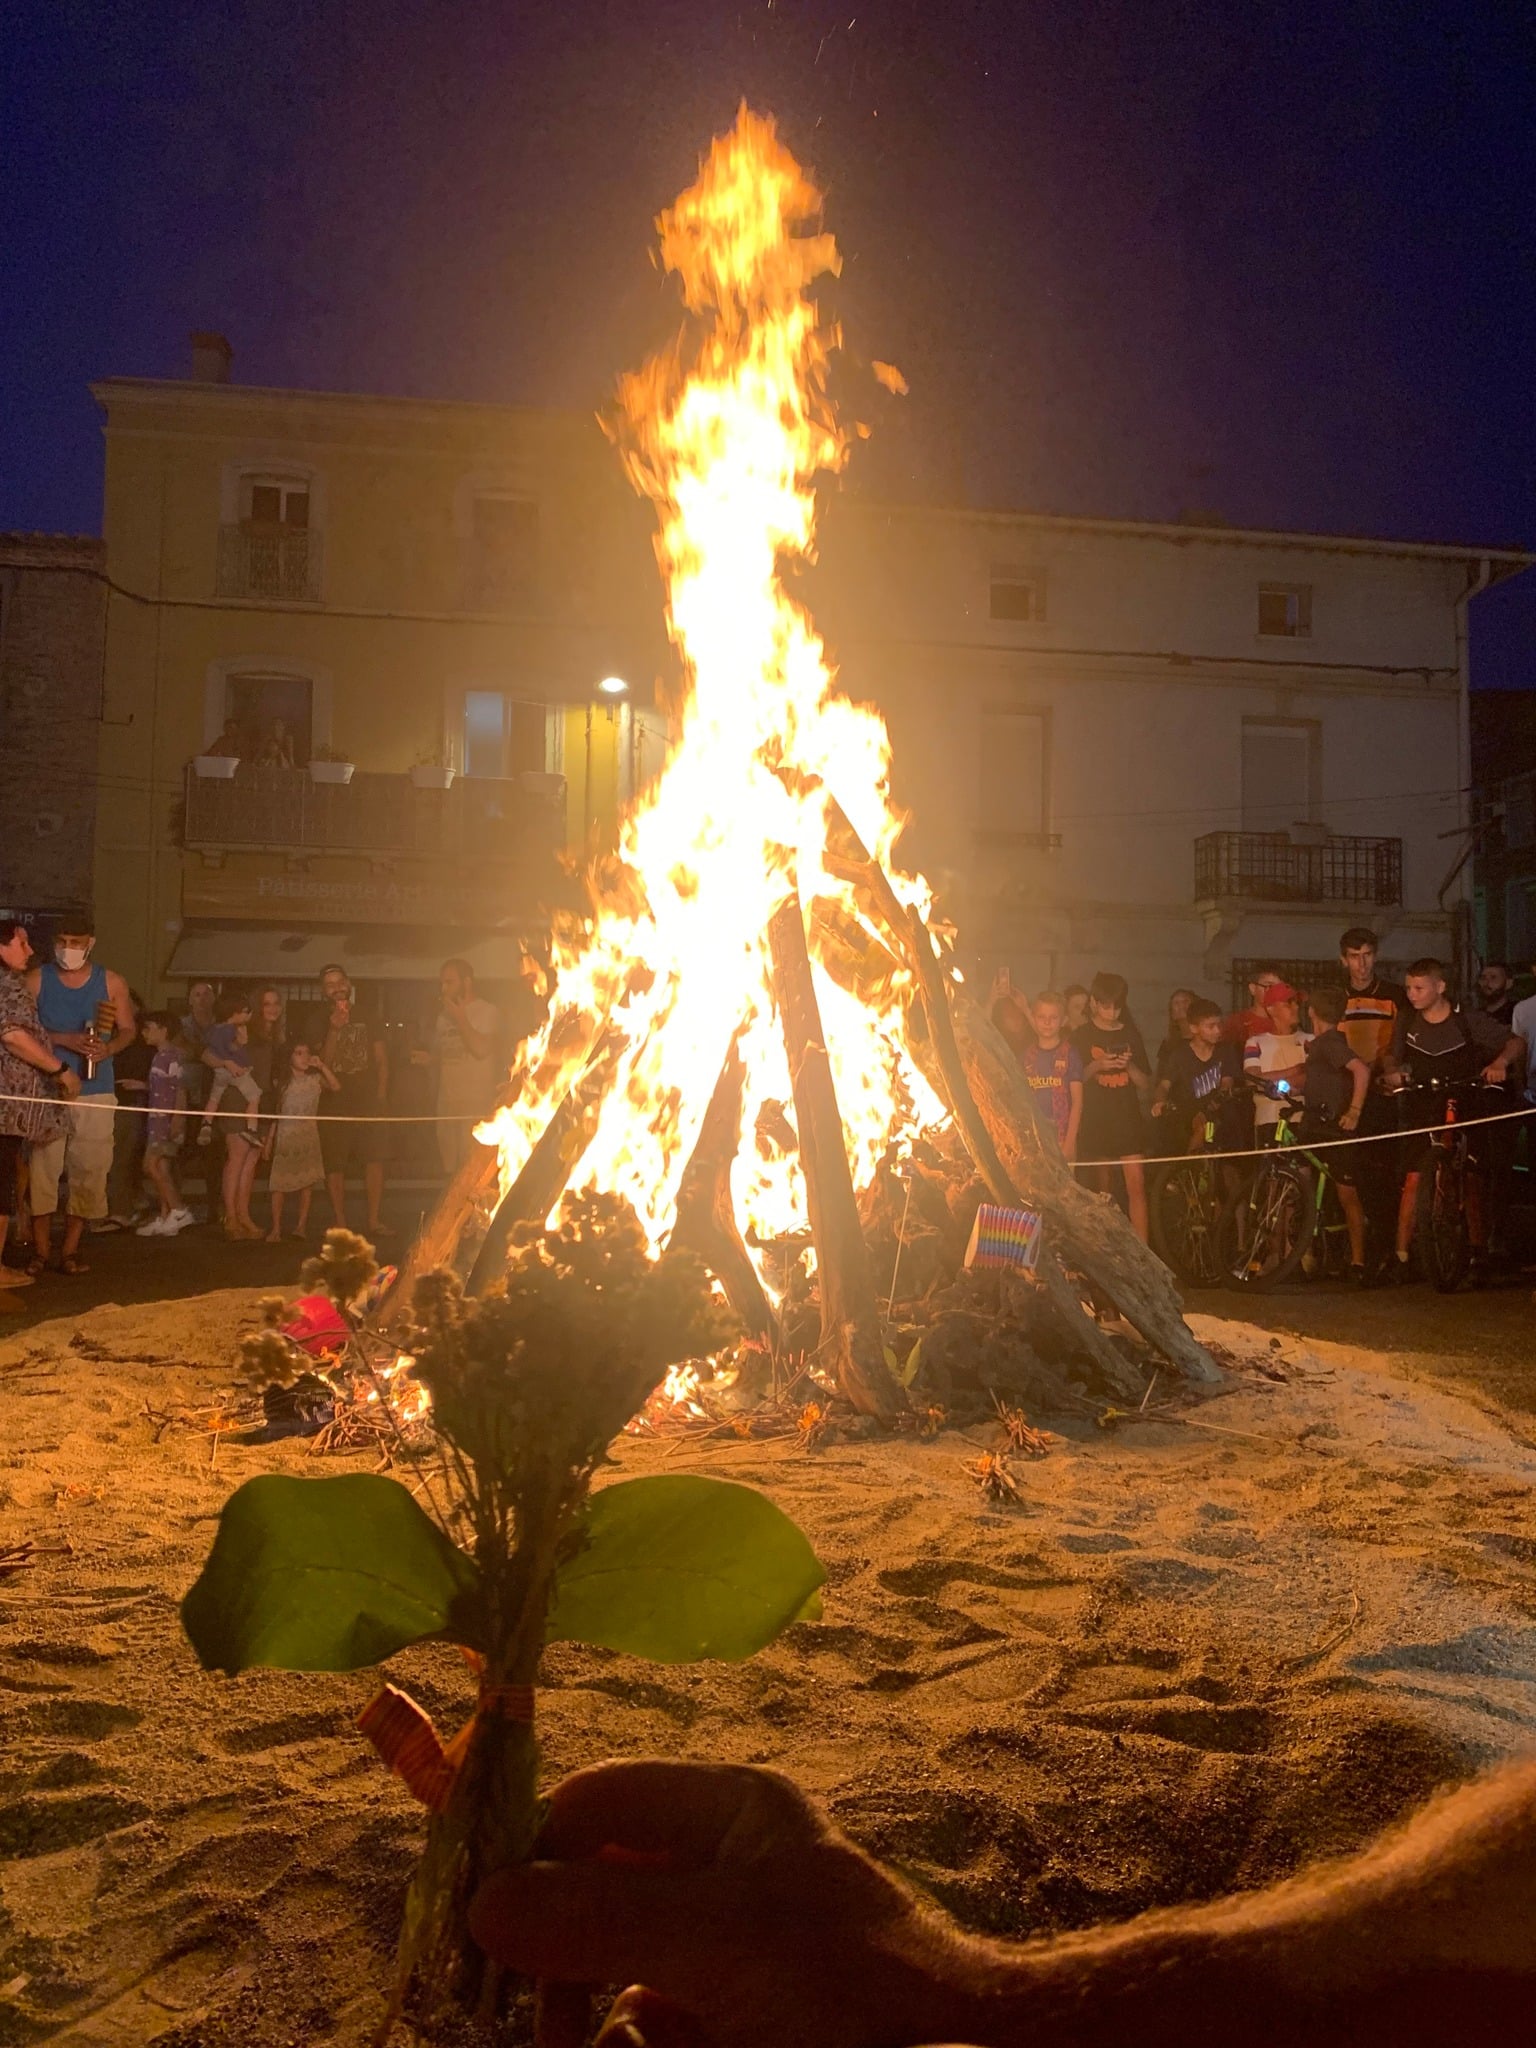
(1195, 1657)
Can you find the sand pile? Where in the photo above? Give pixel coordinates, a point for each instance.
(1195, 1657)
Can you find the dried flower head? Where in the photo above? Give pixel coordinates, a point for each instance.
(345, 1266)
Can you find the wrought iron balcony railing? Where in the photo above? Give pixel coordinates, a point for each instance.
(1271, 867)
(264, 809)
(280, 562)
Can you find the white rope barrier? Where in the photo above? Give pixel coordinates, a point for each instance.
(261, 1116)
(1301, 1143)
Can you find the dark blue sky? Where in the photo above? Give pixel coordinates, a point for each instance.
(1273, 261)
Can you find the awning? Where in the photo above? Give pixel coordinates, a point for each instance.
(265, 953)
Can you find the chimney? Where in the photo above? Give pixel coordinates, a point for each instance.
(211, 355)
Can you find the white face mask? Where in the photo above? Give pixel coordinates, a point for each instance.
(72, 958)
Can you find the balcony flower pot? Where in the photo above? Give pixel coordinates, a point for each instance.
(428, 775)
(331, 771)
(216, 767)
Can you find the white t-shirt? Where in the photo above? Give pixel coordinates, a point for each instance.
(1523, 1023)
(1273, 1052)
(462, 1076)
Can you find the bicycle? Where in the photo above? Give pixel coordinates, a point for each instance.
(1184, 1205)
(1271, 1224)
(1453, 1183)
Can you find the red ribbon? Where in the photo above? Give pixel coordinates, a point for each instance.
(404, 1736)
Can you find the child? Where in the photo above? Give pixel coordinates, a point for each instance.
(1199, 1083)
(1076, 998)
(165, 1093)
(1114, 1068)
(297, 1166)
(227, 1055)
(1053, 1069)
(1334, 1084)
(1276, 1054)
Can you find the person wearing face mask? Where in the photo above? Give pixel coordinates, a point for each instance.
(88, 1014)
(33, 1079)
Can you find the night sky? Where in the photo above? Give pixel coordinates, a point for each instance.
(1272, 262)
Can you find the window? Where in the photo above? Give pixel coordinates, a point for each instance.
(1017, 596)
(505, 534)
(1278, 774)
(1285, 610)
(276, 502)
(503, 735)
(1011, 795)
(274, 717)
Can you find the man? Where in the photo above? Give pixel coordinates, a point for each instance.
(1438, 1042)
(352, 1046)
(647, 1873)
(1372, 1005)
(464, 1052)
(75, 995)
(1523, 1023)
(1496, 992)
(1243, 1024)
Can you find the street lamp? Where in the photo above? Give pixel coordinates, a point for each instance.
(613, 686)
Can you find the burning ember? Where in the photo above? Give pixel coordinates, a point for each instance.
(727, 433)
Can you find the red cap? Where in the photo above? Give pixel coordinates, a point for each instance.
(1278, 992)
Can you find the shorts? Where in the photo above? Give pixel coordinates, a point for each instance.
(1342, 1161)
(84, 1154)
(1111, 1128)
(349, 1136)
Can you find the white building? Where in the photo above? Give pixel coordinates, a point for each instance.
(1166, 750)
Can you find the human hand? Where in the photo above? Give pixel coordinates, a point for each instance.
(1350, 1120)
(72, 1041)
(69, 1083)
(750, 1919)
(1496, 1072)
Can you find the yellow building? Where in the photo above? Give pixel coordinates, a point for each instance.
(356, 660)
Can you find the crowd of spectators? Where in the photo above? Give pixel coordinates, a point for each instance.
(113, 1111)
(1356, 1056)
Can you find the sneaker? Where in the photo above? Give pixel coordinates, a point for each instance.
(156, 1227)
(205, 1135)
(178, 1220)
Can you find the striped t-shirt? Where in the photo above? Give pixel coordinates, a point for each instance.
(1370, 1017)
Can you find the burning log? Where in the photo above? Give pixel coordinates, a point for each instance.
(706, 1216)
(851, 1339)
(449, 1231)
(549, 1166)
(1093, 1235)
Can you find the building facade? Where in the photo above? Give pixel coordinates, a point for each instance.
(52, 625)
(354, 658)
(1165, 750)
(1504, 825)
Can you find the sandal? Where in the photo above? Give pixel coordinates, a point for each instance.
(35, 1265)
(72, 1267)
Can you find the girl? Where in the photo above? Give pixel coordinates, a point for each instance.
(297, 1167)
(1177, 1034)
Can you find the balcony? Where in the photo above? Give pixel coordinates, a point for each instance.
(1271, 867)
(478, 819)
(281, 563)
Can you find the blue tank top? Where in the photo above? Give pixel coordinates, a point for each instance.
(61, 1008)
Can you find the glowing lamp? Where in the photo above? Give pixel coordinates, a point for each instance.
(613, 686)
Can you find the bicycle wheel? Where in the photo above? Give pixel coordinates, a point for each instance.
(1185, 1213)
(1266, 1229)
(1440, 1222)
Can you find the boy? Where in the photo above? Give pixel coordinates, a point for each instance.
(1200, 1082)
(1333, 1090)
(1278, 1053)
(166, 1092)
(227, 1056)
(1054, 1071)
(1114, 1068)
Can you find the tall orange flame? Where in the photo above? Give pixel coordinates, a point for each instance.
(727, 434)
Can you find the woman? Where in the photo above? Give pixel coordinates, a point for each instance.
(31, 1070)
(1177, 1033)
(265, 1035)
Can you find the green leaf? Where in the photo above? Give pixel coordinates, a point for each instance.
(326, 1575)
(908, 1372)
(678, 1567)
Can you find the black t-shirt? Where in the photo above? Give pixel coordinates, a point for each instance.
(1094, 1042)
(1194, 1080)
(1456, 1049)
(1328, 1087)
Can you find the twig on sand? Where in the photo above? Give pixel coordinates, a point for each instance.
(1326, 1649)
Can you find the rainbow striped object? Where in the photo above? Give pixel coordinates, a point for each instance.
(1006, 1239)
